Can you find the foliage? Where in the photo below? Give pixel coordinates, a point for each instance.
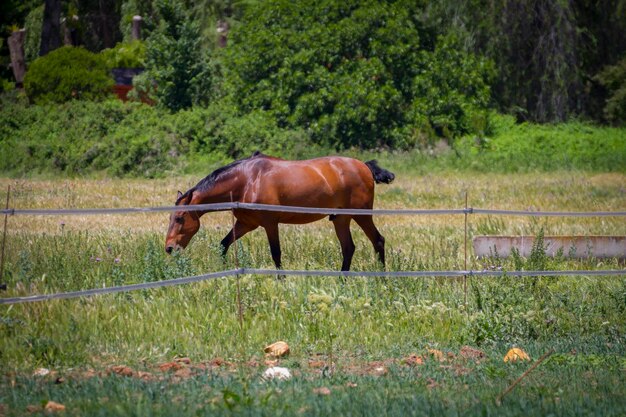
(219, 131)
(600, 43)
(613, 78)
(79, 137)
(347, 72)
(545, 53)
(541, 78)
(126, 55)
(88, 138)
(68, 73)
(6, 86)
(214, 13)
(12, 15)
(545, 56)
(176, 61)
(144, 88)
(33, 25)
(207, 14)
(98, 22)
(453, 93)
(144, 8)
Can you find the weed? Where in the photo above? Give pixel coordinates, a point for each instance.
(538, 259)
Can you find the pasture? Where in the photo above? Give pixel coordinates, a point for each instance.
(361, 346)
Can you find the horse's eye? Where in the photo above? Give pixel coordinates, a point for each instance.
(179, 219)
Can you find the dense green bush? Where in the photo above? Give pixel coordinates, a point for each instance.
(80, 137)
(133, 139)
(68, 73)
(453, 93)
(218, 134)
(6, 85)
(126, 55)
(354, 73)
(515, 147)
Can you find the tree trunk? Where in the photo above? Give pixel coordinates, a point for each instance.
(51, 28)
(68, 28)
(222, 33)
(107, 36)
(16, 48)
(136, 29)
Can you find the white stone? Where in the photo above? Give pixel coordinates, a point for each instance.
(276, 372)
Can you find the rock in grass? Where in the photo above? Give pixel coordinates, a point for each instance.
(41, 372)
(322, 391)
(53, 407)
(516, 354)
(276, 372)
(277, 349)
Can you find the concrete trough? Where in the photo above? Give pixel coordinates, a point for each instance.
(572, 246)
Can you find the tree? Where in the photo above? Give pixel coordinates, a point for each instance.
(613, 78)
(51, 28)
(539, 66)
(99, 22)
(217, 17)
(546, 52)
(12, 15)
(602, 42)
(350, 73)
(175, 59)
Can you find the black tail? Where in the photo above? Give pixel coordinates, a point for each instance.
(380, 175)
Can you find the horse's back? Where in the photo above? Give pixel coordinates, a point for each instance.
(333, 181)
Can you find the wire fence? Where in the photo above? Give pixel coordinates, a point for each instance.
(306, 273)
(301, 273)
(307, 210)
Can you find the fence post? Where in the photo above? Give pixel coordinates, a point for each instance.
(465, 255)
(232, 213)
(3, 286)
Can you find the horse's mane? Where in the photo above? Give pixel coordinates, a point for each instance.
(212, 178)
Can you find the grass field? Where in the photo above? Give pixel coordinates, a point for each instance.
(358, 346)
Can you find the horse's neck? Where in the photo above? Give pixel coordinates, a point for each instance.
(224, 191)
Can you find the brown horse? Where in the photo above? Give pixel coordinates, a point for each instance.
(328, 182)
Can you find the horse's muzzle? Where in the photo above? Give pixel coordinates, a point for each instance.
(169, 249)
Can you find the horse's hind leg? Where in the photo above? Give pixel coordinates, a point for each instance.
(274, 240)
(342, 228)
(230, 238)
(378, 241)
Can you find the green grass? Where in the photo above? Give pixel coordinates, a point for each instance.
(529, 147)
(566, 385)
(355, 325)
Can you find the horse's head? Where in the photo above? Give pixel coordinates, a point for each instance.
(183, 225)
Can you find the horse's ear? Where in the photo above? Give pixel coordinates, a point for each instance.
(179, 195)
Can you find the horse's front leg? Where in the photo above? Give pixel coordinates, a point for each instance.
(235, 233)
(274, 241)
